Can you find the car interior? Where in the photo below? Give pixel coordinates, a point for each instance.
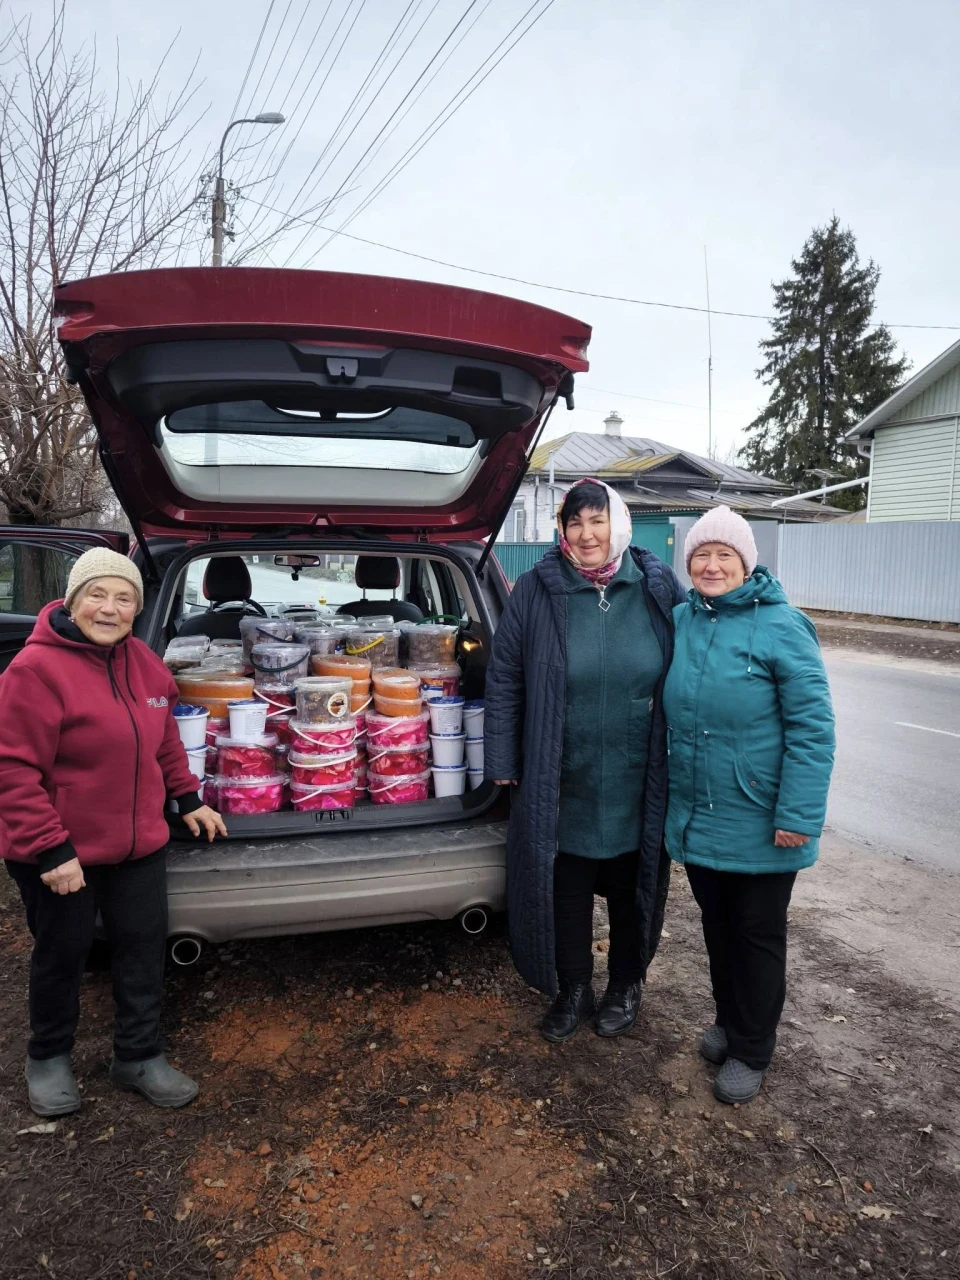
(227, 587)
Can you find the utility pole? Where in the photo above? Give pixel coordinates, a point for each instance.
(220, 189)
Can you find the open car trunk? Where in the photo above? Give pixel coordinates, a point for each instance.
(245, 400)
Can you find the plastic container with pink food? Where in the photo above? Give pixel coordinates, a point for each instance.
(323, 771)
(247, 759)
(215, 728)
(305, 797)
(281, 707)
(322, 738)
(395, 761)
(406, 731)
(250, 796)
(398, 789)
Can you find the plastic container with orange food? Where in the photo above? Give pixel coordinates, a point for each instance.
(401, 686)
(213, 690)
(342, 664)
(397, 708)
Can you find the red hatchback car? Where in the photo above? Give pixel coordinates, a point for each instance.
(257, 424)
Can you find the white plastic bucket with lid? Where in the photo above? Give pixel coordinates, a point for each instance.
(248, 719)
(448, 748)
(449, 780)
(474, 778)
(475, 753)
(197, 762)
(191, 725)
(473, 719)
(446, 715)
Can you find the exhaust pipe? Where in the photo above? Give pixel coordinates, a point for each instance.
(474, 920)
(186, 950)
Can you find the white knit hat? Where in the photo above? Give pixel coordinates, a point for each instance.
(723, 525)
(101, 562)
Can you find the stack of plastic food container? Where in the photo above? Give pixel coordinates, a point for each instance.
(186, 652)
(192, 726)
(247, 780)
(323, 752)
(355, 669)
(473, 729)
(447, 740)
(397, 741)
(257, 630)
(276, 666)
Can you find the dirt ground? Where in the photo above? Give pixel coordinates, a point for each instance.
(378, 1104)
(932, 641)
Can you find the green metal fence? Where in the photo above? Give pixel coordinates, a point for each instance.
(517, 557)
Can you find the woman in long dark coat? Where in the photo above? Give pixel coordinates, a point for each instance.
(574, 722)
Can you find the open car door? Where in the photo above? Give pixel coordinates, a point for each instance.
(243, 400)
(34, 565)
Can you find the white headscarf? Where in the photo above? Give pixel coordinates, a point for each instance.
(621, 534)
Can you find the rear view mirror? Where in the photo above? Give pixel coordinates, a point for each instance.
(297, 562)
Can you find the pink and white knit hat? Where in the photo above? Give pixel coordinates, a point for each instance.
(723, 525)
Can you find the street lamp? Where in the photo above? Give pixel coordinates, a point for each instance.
(219, 194)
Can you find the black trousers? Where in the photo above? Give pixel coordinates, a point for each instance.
(575, 881)
(132, 900)
(745, 929)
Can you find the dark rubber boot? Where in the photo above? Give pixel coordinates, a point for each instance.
(159, 1083)
(571, 1009)
(51, 1086)
(619, 1008)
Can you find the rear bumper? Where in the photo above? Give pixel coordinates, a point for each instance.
(339, 881)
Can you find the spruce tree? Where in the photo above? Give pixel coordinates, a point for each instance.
(825, 365)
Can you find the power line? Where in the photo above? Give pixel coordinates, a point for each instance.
(434, 127)
(579, 293)
(446, 40)
(368, 79)
(253, 58)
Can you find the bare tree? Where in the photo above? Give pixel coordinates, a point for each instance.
(94, 178)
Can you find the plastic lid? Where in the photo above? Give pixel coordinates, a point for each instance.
(449, 737)
(475, 705)
(435, 669)
(448, 700)
(435, 628)
(314, 788)
(270, 780)
(324, 684)
(186, 710)
(321, 730)
(394, 779)
(268, 741)
(402, 748)
(320, 760)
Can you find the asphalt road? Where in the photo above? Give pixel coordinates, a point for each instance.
(896, 784)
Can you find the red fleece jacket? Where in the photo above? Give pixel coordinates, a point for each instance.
(89, 750)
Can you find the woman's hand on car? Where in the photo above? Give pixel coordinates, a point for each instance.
(789, 839)
(207, 818)
(67, 878)
(506, 782)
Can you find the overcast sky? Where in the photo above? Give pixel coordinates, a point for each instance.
(614, 143)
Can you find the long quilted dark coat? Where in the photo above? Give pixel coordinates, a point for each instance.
(523, 732)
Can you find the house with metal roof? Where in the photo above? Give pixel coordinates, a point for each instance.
(913, 442)
(658, 482)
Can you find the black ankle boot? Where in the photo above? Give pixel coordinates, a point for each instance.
(574, 1004)
(619, 1008)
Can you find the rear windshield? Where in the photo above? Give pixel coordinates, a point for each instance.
(239, 449)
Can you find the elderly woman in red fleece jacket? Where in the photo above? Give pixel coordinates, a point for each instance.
(89, 752)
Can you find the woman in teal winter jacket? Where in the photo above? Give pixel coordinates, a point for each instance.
(751, 742)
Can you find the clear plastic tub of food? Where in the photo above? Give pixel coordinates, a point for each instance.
(224, 660)
(356, 669)
(399, 788)
(311, 739)
(307, 798)
(432, 644)
(256, 630)
(378, 621)
(225, 645)
(248, 796)
(379, 645)
(395, 683)
(246, 759)
(399, 708)
(320, 640)
(442, 679)
(393, 761)
(323, 770)
(275, 662)
(184, 657)
(389, 731)
(215, 727)
(281, 707)
(213, 690)
(189, 641)
(323, 699)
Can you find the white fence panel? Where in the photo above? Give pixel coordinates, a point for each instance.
(901, 569)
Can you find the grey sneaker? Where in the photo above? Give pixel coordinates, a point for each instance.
(51, 1086)
(159, 1083)
(736, 1082)
(713, 1044)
